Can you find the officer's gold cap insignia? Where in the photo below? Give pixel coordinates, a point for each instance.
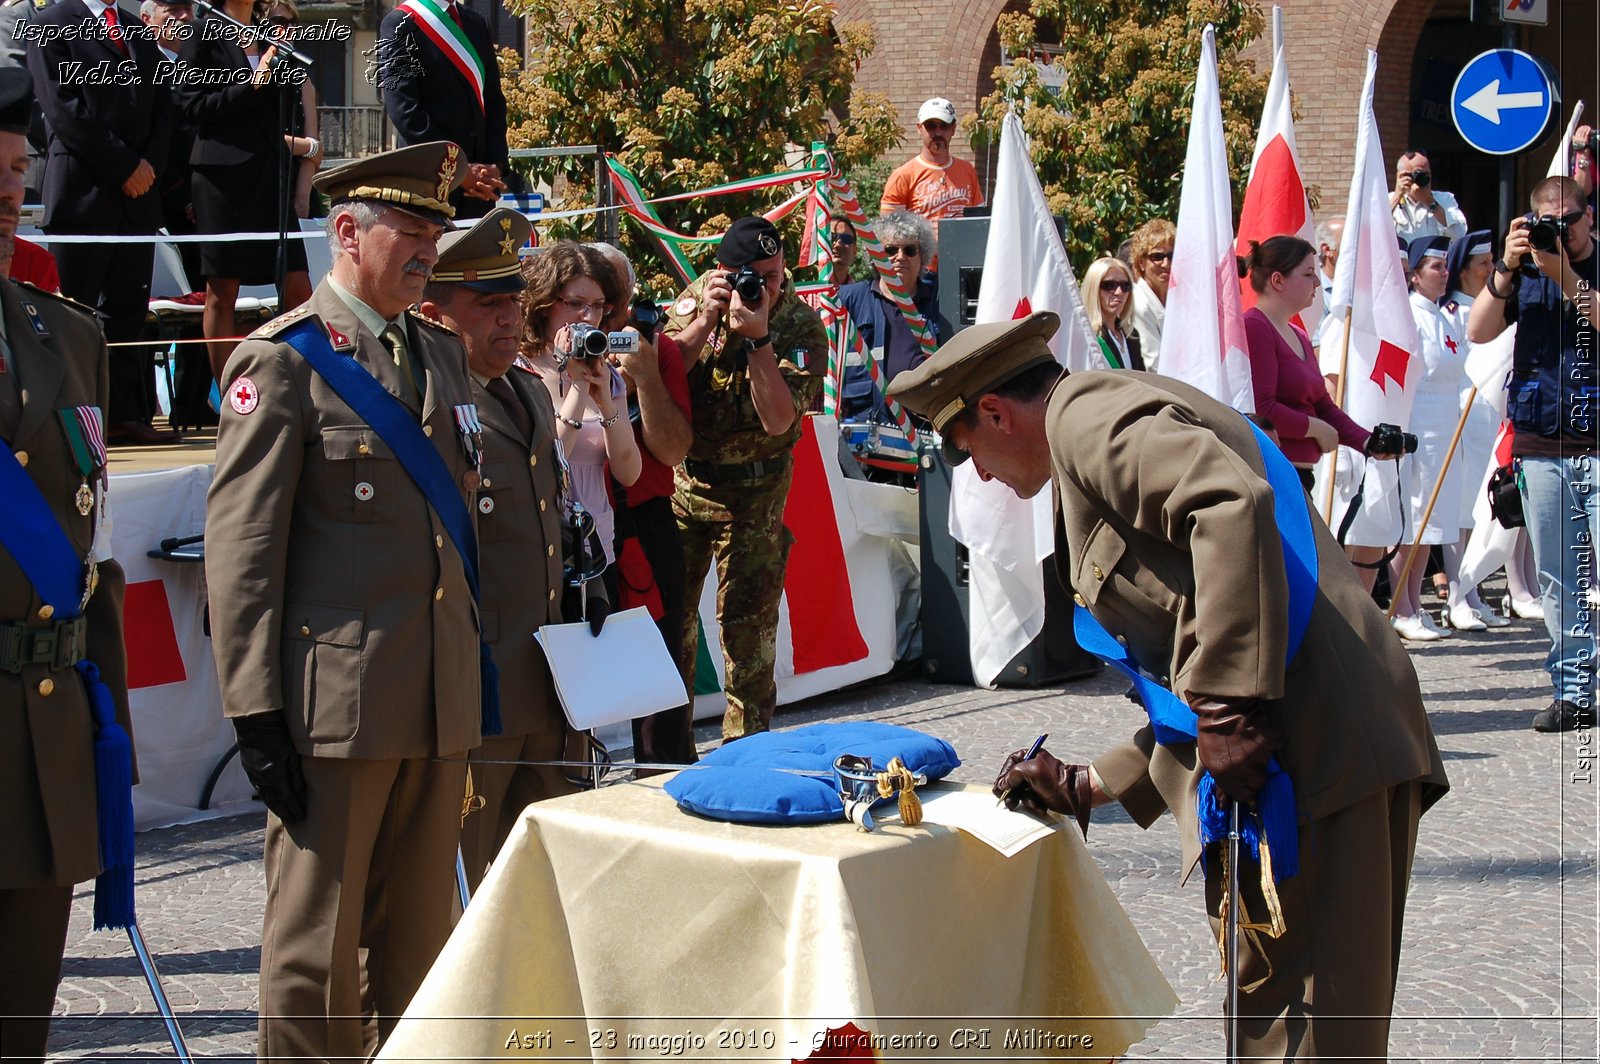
(417, 179)
(484, 257)
(509, 244)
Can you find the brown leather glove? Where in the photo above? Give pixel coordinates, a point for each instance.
(1235, 739)
(1042, 783)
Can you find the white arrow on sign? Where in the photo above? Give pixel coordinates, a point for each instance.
(1488, 102)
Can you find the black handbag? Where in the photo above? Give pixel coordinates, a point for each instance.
(1505, 497)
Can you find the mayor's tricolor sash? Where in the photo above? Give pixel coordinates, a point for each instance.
(442, 30)
(398, 427)
(64, 581)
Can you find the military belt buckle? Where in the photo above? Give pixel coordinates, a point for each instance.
(59, 646)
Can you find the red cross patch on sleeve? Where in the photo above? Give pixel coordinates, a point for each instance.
(243, 396)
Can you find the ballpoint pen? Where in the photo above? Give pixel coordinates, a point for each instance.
(1033, 751)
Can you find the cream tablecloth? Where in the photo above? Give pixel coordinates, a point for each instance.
(615, 926)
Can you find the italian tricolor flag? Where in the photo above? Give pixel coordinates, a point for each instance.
(440, 28)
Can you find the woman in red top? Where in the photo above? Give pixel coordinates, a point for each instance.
(1289, 390)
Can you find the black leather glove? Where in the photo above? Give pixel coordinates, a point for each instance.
(1042, 782)
(268, 756)
(596, 610)
(1235, 739)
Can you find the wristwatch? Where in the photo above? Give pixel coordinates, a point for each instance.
(1501, 267)
(758, 343)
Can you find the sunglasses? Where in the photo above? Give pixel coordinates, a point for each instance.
(844, 238)
(1115, 286)
(1160, 256)
(935, 126)
(909, 251)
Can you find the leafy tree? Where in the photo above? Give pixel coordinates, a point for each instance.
(1109, 145)
(689, 94)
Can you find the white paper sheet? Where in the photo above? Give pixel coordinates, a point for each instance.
(978, 814)
(623, 673)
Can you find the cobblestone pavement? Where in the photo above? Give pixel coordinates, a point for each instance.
(1500, 938)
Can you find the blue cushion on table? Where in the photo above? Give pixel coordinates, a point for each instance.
(743, 781)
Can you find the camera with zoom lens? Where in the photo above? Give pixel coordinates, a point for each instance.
(1391, 439)
(585, 341)
(750, 286)
(645, 316)
(1546, 234)
(1590, 145)
(1421, 178)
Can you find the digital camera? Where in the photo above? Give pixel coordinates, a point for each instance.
(585, 341)
(1391, 439)
(748, 283)
(1546, 234)
(1421, 178)
(646, 317)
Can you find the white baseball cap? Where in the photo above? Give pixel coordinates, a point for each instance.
(938, 109)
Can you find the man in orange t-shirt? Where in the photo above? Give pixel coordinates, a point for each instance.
(934, 183)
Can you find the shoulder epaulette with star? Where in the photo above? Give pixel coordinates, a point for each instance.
(435, 322)
(281, 322)
(73, 304)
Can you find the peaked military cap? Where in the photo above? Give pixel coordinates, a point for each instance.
(16, 100)
(749, 240)
(417, 180)
(484, 258)
(978, 359)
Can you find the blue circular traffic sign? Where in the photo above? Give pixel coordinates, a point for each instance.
(1502, 101)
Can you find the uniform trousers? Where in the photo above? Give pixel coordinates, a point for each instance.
(33, 926)
(507, 790)
(1327, 984)
(750, 551)
(371, 869)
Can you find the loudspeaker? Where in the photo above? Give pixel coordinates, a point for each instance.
(1052, 658)
(962, 244)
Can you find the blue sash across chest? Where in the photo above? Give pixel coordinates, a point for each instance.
(398, 427)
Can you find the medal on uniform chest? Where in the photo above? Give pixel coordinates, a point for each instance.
(86, 440)
(470, 429)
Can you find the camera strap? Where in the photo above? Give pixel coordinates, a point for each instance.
(1355, 508)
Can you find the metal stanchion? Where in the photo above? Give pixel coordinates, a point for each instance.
(1232, 932)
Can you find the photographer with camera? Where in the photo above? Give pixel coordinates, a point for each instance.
(1419, 208)
(755, 355)
(1544, 283)
(1584, 149)
(650, 547)
(571, 292)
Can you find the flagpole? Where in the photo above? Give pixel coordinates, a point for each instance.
(1333, 456)
(1411, 556)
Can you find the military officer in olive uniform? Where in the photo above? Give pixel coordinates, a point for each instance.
(1165, 524)
(53, 392)
(475, 290)
(344, 628)
(755, 368)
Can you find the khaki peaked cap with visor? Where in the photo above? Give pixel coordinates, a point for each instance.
(417, 179)
(978, 359)
(485, 257)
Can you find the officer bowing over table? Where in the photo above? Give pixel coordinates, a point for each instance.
(476, 290)
(65, 765)
(341, 560)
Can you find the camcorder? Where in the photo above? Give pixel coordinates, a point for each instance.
(1421, 178)
(1391, 439)
(748, 283)
(585, 341)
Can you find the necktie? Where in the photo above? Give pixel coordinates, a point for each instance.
(114, 30)
(518, 413)
(394, 337)
(455, 15)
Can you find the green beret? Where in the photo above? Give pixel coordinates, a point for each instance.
(978, 359)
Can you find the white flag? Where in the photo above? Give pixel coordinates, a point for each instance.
(1025, 269)
(1202, 340)
(1561, 165)
(1275, 201)
(1369, 291)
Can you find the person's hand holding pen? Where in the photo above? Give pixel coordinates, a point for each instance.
(1036, 781)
